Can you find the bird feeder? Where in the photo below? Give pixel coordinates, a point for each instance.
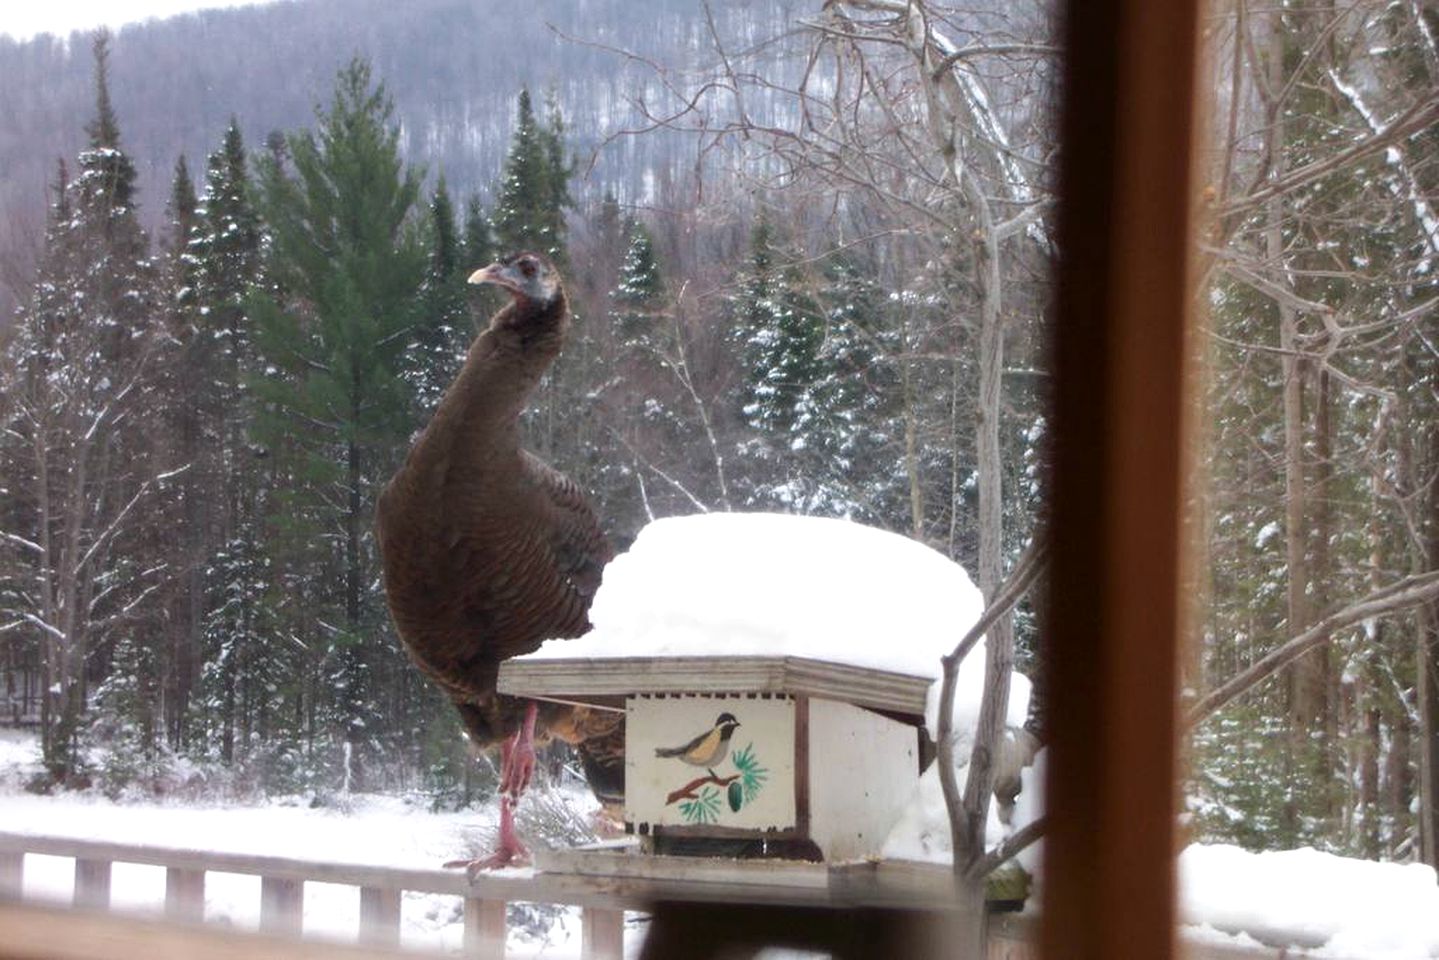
(797, 756)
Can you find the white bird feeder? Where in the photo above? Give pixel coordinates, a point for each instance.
(802, 754)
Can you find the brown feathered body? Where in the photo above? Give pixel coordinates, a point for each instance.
(487, 550)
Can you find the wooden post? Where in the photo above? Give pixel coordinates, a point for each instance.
(282, 905)
(380, 916)
(12, 874)
(485, 929)
(92, 884)
(184, 894)
(602, 934)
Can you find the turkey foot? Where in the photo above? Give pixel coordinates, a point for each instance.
(509, 851)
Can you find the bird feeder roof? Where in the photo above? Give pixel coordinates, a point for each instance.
(606, 682)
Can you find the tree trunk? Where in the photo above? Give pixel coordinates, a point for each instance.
(999, 642)
(911, 453)
(1320, 664)
(354, 651)
(1369, 742)
(1424, 556)
(1398, 782)
(1305, 685)
(353, 520)
(1427, 635)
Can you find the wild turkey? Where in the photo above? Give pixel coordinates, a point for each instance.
(488, 551)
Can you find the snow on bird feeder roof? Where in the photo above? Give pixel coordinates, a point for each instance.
(778, 585)
(775, 585)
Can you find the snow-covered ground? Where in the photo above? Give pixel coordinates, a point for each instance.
(1343, 907)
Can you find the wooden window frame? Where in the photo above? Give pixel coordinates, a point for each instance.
(1116, 609)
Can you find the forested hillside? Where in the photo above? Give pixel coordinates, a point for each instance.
(453, 68)
(808, 246)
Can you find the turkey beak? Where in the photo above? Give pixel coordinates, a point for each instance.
(494, 273)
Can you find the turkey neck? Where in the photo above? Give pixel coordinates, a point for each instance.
(478, 418)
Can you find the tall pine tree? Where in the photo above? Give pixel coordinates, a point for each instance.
(79, 451)
(346, 266)
(439, 341)
(778, 330)
(534, 191)
(235, 693)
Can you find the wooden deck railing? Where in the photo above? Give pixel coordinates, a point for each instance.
(613, 885)
(282, 884)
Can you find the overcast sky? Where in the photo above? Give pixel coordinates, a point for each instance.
(22, 19)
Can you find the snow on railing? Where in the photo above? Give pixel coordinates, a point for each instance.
(282, 883)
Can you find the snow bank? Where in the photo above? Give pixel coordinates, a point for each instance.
(739, 584)
(18, 749)
(1345, 907)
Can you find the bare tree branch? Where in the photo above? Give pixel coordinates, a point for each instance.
(1026, 571)
(1401, 595)
(1006, 849)
(1408, 123)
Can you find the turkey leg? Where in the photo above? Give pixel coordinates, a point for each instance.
(517, 759)
(517, 766)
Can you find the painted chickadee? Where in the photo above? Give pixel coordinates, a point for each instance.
(707, 749)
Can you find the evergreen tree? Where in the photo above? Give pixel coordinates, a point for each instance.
(639, 292)
(478, 250)
(180, 533)
(534, 191)
(226, 250)
(123, 717)
(437, 350)
(780, 330)
(107, 172)
(821, 392)
(238, 644)
(182, 212)
(849, 416)
(79, 450)
(642, 398)
(559, 167)
(479, 241)
(346, 267)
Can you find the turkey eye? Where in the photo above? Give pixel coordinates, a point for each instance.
(527, 267)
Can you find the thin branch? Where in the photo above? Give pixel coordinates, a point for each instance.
(1007, 848)
(20, 541)
(997, 50)
(1408, 123)
(684, 491)
(1401, 595)
(1026, 571)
